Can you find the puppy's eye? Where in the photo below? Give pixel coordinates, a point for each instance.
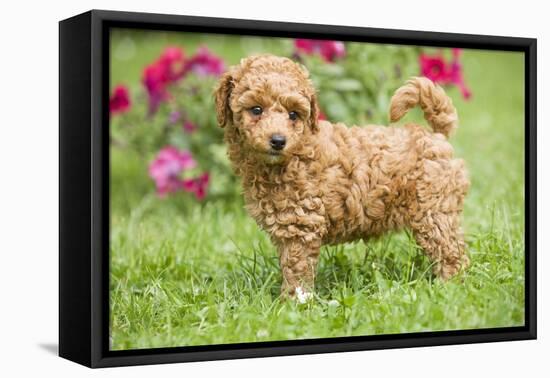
(293, 115)
(256, 110)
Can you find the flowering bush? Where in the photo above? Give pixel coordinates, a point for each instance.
(177, 123)
(171, 67)
(204, 63)
(356, 84)
(167, 168)
(328, 50)
(157, 76)
(171, 121)
(167, 171)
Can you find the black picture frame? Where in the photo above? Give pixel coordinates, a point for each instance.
(84, 188)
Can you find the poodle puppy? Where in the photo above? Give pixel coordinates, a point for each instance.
(309, 183)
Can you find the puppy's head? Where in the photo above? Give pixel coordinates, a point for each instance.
(271, 103)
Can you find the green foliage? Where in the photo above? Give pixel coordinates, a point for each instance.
(357, 89)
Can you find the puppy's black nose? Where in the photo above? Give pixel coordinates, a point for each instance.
(277, 142)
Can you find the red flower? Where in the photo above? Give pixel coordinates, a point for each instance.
(120, 100)
(435, 68)
(328, 50)
(171, 67)
(155, 82)
(197, 185)
(168, 68)
(205, 63)
(167, 167)
(322, 116)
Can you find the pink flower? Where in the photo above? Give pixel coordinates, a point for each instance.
(168, 68)
(120, 100)
(197, 185)
(173, 61)
(167, 167)
(328, 50)
(189, 126)
(435, 68)
(205, 63)
(322, 116)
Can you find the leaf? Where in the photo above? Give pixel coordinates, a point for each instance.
(349, 300)
(333, 104)
(332, 70)
(345, 85)
(337, 110)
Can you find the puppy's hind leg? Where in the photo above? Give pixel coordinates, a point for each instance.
(436, 216)
(442, 239)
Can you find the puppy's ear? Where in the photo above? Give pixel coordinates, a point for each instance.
(222, 94)
(314, 105)
(314, 114)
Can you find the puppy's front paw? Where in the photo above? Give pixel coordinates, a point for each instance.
(301, 295)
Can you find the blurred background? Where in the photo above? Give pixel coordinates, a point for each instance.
(189, 267)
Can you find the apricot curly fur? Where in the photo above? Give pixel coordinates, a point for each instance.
(332, 183)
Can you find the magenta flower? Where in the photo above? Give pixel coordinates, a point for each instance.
(305, 45)
(171, 67)
(120, 100)
(173, 61)
(456, 75)
(189, 127)
(328, 50)
(155, 82)
(435, 68)
(204, 63)
(167, 167)
(197, 185)
(168, 68)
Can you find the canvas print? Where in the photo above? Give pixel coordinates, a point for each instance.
(268, 189)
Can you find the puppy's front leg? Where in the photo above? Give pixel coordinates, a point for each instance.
(298, 260)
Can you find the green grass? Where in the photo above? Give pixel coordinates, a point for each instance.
(211, 277)
(184, 273)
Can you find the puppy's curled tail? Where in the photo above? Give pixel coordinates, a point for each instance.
(437, 106)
